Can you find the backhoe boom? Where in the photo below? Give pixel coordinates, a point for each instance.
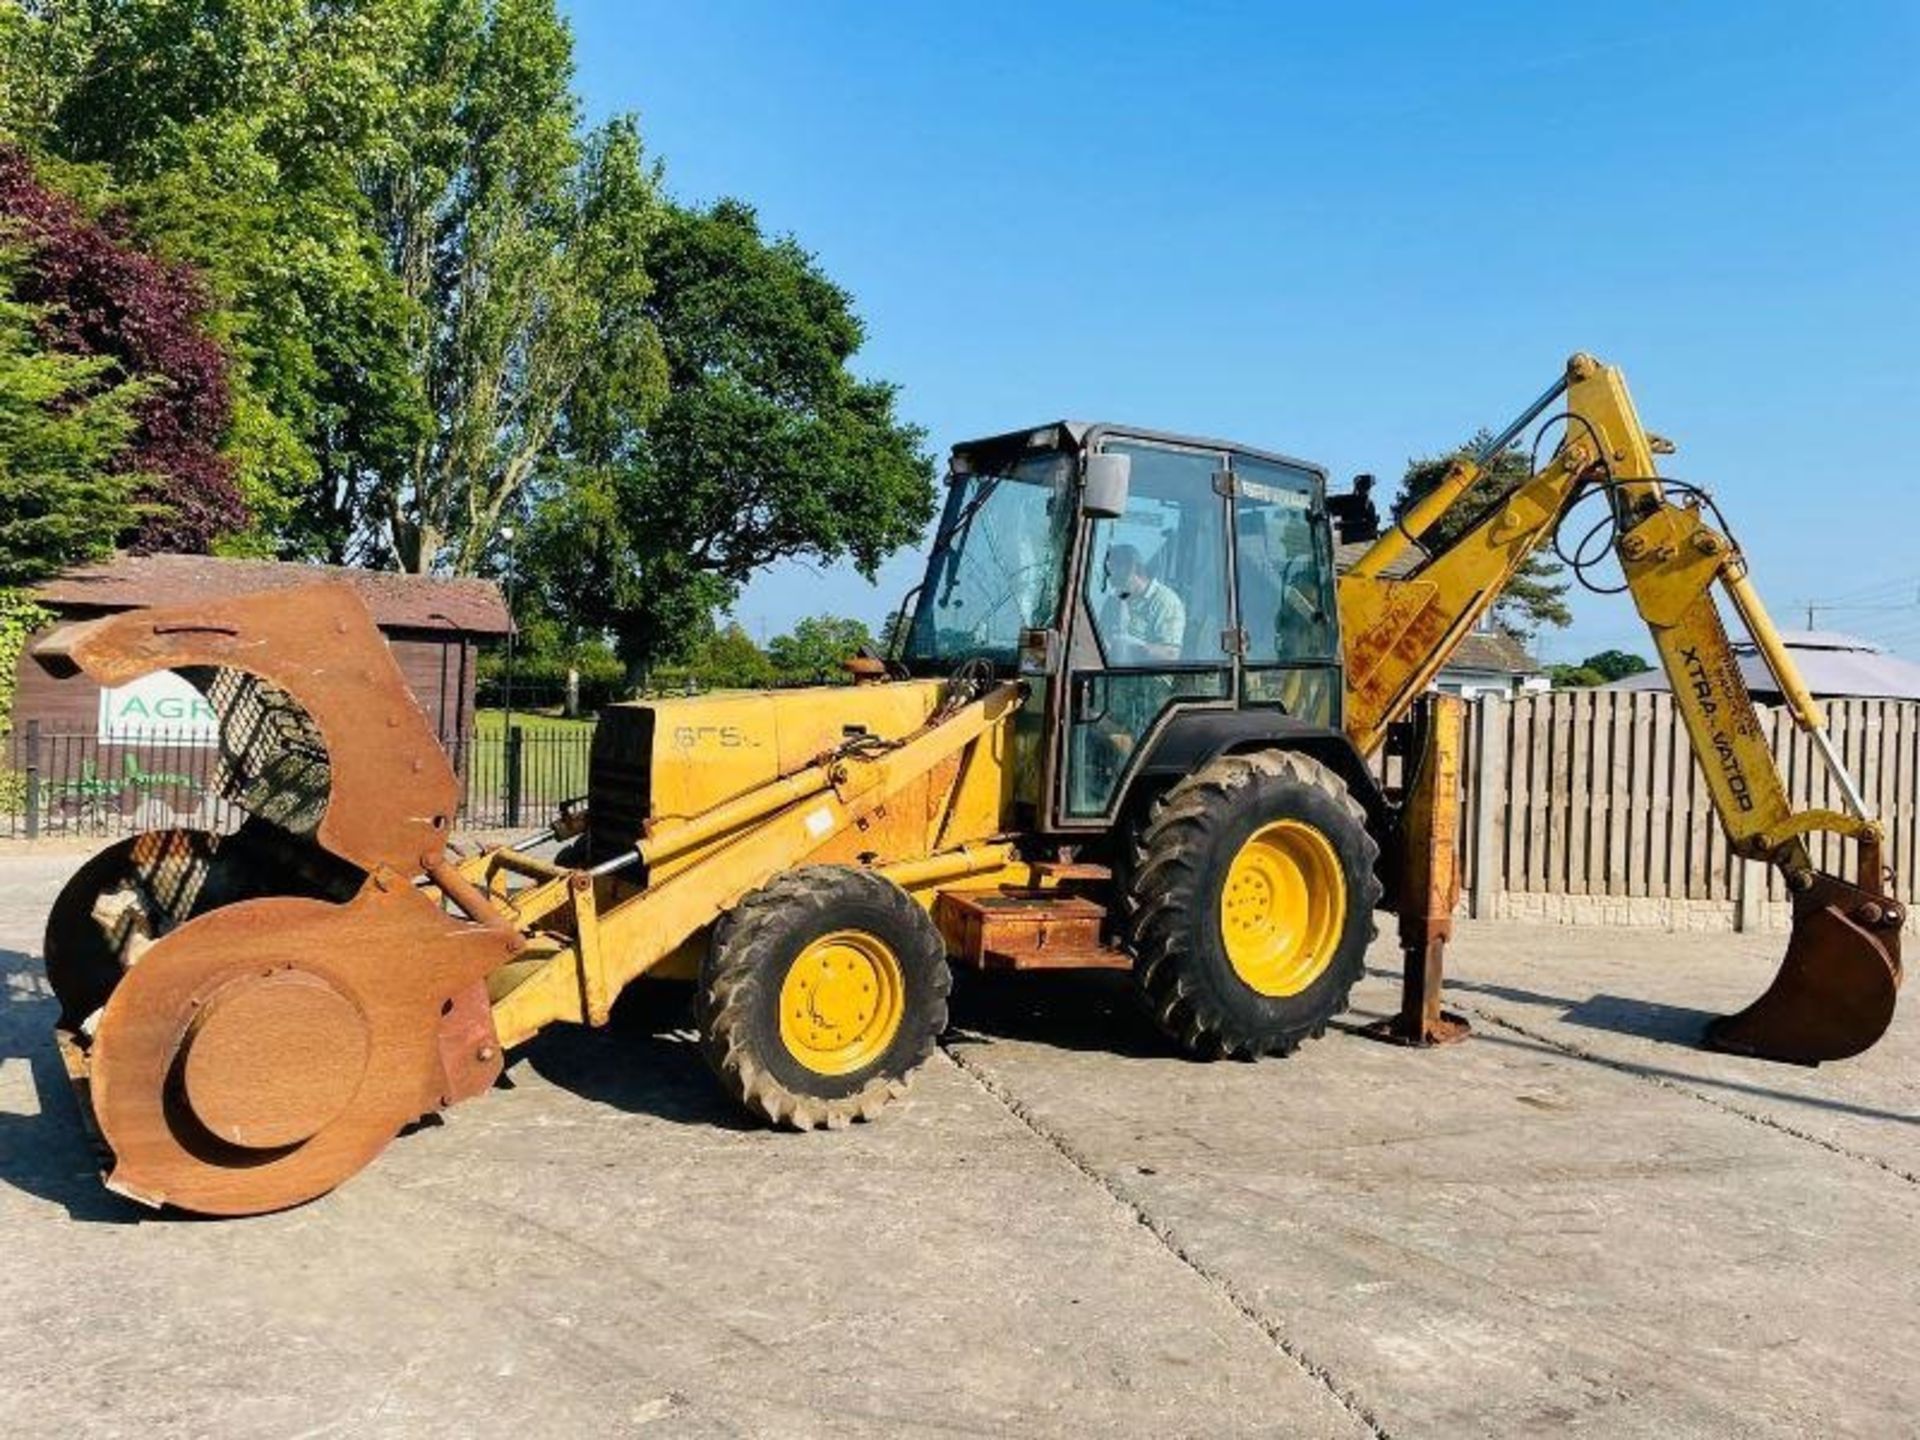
(1834, 995)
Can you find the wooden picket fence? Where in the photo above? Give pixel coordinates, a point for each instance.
(1596, 793)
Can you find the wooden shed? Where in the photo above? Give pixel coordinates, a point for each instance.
(435, 628)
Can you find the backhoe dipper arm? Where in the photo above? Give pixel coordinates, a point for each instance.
(1834, 994)
(1672, 558)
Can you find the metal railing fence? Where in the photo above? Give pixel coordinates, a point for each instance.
(75, 784)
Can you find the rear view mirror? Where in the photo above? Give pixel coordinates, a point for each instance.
(1103, 491)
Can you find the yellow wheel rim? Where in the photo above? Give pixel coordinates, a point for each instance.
(1283, 908)
(841, 1003)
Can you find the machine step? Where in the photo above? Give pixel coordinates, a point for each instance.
(1026, 930)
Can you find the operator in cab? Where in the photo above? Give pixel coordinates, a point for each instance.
(1142, 620)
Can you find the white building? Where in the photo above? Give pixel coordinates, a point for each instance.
(1835, 666)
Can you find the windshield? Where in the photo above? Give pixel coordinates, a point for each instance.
(996, 562)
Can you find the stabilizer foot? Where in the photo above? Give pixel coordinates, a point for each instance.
(1418, 1032)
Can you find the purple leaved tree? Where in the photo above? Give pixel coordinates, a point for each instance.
(103, 297)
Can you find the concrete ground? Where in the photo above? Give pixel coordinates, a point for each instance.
(1574, 1222)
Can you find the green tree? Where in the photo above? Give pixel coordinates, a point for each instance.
(1600, 668)
(1537, 595)
(239, 150)
(817, 647)
(729, 659)
(767, 447)
(1574, 677)
(893, 631)
(449, 307)
(521, 253)
(419, 258)
(65, 420)
(43, 47)
(567, 553)
(1616, 664)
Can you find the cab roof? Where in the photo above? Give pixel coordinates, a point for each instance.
(1081, 435)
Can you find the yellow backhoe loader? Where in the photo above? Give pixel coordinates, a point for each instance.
(1129, 724)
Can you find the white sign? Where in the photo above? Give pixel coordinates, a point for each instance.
(1281, 495)
(158, 707)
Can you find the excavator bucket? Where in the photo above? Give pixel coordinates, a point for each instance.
(249, 1018)
(1833, 996)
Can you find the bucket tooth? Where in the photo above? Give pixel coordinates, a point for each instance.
(1834, 994)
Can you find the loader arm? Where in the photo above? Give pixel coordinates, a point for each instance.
(619, 934)
(1835, 991)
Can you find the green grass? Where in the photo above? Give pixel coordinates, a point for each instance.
(488, 722)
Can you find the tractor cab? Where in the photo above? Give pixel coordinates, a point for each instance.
(1142, 581)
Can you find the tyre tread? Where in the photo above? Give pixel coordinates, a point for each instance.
(1165, 890)
(739, 962)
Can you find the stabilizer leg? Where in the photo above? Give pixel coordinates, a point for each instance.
(1430, 881)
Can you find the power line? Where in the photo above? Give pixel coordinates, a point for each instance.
(1878, 592)
(1896, 638)
(1871, 591)
(1855, 607)
(1902, 631)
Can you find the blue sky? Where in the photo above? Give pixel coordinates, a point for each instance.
(1351, 232)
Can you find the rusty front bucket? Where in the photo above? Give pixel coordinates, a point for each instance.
(251, 1017)
(1834, 994)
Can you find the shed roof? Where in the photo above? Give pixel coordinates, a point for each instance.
(1834, 665)
(397, 601)
(1493, 650)
(1347, 555)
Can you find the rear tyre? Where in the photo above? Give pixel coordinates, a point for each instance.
(822, 993)
(1252, 905)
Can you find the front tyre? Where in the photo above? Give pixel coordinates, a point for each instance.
(1252, 906)
(822, 993)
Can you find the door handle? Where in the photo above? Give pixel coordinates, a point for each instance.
(1089, 698)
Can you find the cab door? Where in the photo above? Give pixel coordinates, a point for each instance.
(1283, 562)
(1153, 623)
